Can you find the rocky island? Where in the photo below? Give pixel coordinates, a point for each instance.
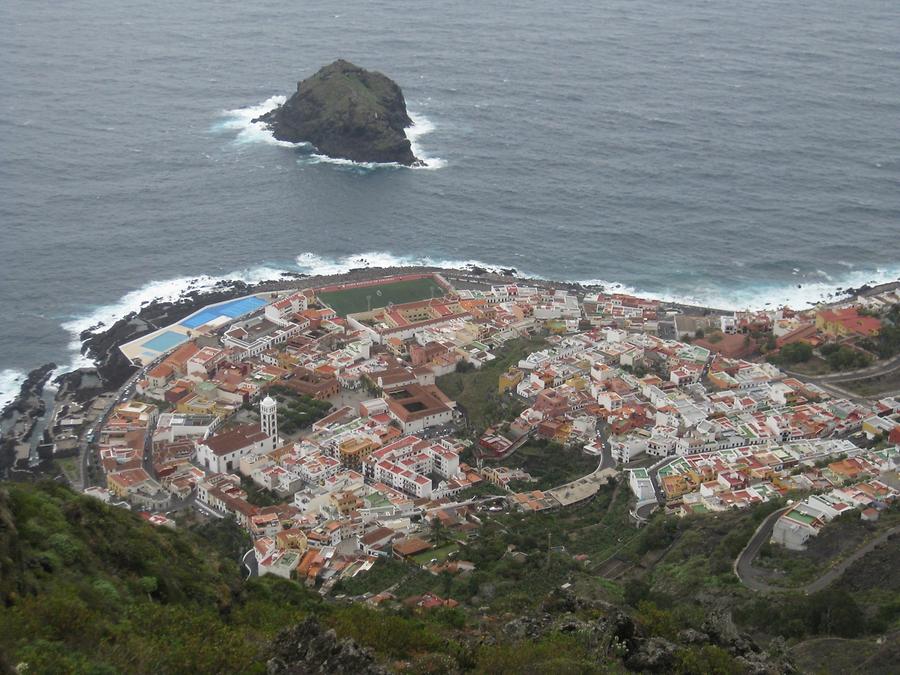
(347, 112)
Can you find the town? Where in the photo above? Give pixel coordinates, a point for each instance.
(335, 426)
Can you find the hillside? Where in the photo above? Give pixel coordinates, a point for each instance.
(90, 588)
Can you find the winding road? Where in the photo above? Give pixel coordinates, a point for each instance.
(830, 382)
(879, 368)
(752, 577)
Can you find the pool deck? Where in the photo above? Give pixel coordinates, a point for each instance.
(155, 344)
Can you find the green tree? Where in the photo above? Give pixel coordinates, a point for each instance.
(636, 590)
(796, 352)
(148, 585)
(438, 532)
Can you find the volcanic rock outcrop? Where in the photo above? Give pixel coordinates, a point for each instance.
(347, 112)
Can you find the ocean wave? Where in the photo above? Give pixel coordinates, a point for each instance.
(314, 264)
(248, 131)
(801, 295)
(422, 126)
(240, 120)
(10, 383)
(759, 296)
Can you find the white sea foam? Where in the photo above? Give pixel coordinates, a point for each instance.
(240, 120)
(313, 264)
(248, 131)
(10, 384)
(422, 126)
(801, 295)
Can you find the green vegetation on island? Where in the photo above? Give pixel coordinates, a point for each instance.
(346, 112)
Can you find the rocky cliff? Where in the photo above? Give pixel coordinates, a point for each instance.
(24, 410)
(308, 649)
(347, 112)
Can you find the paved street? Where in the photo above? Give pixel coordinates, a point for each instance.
(832, 381)
(743, 565)
(250, 563)
(752, 577)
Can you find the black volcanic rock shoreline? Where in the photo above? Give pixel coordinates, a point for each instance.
(347, 112)
(101, 345)
(27, 408)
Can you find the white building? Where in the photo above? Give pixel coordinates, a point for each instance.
(222, 453)
(280, 310)
(641, 485)
(794, 528)
(268, 417)
(181, 425)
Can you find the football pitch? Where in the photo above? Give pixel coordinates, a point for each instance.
(353, 300)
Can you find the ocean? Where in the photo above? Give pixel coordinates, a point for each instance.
(734, 153)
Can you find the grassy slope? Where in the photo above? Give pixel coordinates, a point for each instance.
(841, 538)
(550, 464)
(90, 588)
(597, 529)
(476, 390)
(695, 570)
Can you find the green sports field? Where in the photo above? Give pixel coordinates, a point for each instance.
(353, 300)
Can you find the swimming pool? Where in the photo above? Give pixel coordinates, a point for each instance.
(231, 309)
(165, 341)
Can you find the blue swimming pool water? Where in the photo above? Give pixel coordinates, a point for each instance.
(199, 319)
(230, 309)
(165, 341)
(238, 307)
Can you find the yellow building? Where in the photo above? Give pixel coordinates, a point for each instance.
(681, 483)
(848, 321)
(197, 405)
(510, 380)
(354, 450)
(344, 502)
(292, 539)
(578, 383)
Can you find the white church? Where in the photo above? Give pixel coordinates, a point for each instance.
(222, 453)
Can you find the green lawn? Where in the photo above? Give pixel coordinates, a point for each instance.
(71, 468)
(439, 553)
(352, 300)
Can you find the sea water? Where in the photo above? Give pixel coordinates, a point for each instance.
(730, 152)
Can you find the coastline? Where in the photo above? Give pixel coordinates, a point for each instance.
(100, 345)
(110, 369)
(22, 416)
